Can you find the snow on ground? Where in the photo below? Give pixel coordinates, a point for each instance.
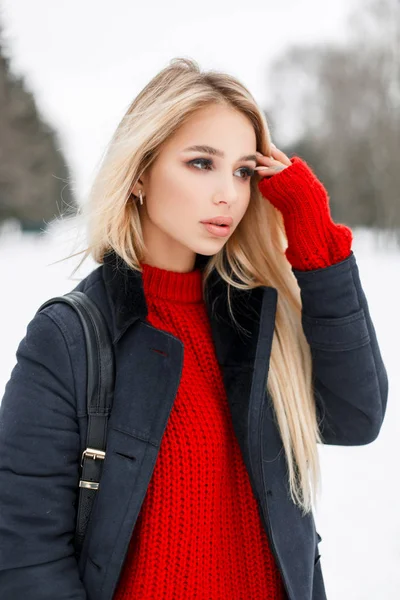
(358, 514)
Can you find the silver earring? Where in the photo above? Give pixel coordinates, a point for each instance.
(140, 196)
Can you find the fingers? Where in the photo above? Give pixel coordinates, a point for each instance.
(264, 170)
(264, 160)
(269, 165)
(276, 155)
(279, 155)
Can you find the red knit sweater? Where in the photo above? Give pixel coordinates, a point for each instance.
(199, 533)
(314, 240)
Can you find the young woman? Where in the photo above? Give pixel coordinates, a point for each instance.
(239, 347)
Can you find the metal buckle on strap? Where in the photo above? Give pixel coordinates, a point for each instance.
(90, 485)
(93, 453)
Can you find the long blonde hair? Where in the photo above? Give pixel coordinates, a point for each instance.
(254, 253)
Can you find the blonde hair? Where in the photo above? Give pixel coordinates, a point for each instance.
(254, 252)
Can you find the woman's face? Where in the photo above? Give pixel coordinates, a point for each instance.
(183, 187)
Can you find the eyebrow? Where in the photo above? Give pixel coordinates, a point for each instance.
(215, 152)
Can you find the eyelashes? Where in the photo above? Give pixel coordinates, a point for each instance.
(209, 165)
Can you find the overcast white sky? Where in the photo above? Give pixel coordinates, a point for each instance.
(87, 59)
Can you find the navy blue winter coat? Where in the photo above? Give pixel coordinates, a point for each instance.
(43, 418)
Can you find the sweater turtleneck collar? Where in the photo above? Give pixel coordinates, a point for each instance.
(172, 285)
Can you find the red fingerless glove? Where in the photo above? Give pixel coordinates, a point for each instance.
(314, 240)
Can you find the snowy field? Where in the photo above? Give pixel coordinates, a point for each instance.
(358, 515)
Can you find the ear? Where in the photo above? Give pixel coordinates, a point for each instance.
(139, 185)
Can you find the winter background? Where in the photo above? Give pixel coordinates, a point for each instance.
(82, 74)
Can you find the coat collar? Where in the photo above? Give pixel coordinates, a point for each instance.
(234, 345)
(125, 292)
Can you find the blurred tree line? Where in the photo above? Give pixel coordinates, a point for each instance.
(344, 101)
(34, 175)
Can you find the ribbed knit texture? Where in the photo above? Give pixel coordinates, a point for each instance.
(314, 239)
(199, 534)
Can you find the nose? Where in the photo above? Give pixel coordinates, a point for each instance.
(227, 195)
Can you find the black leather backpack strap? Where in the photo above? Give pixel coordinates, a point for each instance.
(100, 389)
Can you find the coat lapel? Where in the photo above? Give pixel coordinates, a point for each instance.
(242, 348)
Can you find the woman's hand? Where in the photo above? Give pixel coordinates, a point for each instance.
(269, 165)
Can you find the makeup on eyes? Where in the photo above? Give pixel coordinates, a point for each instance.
(209, 163)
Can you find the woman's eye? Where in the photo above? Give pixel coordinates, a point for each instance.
(208, 164)
(248, 172)
(203, 161)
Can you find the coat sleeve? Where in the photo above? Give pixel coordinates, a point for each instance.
(39, 460)
(350, 379)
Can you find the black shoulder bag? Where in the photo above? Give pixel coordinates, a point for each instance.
(100, 389)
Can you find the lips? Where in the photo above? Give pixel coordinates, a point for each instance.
(219, 221)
